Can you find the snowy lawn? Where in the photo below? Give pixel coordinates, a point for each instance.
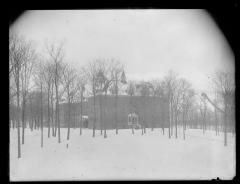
(123, 156)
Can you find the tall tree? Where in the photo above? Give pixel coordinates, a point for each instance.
(48, 80)
(203, 111)
(179, 97)
(225, 86)
(18, 52)
(15, 57)
(104, 80)
(100, 80)
(216, 101)
(106, 86)
(56, 55)
(52, 108)
(81, 83)
(91, 73)
(186, 102)
(170, 82)
(158, 92)
(118, 77)
(25, 75)
(39, 82)
(70, 83)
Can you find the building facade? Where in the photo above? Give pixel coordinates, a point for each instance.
(112, 112)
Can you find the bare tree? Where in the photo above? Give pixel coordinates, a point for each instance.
(39, 82)
(225, 86)
(25, 76)
(34, 105)
(104, 80)
(203, 110)
(216, 101)
(48, 80)
(100, 81)
(81, 83)
(170, 87)
(158, 92)
(18, 52)
(31, 106)
(12, 101)
(69, 80)
(106, 85)
(15, 56)
(180, 97)
(52, 107)
(186, 102)
(56, 57)
(91, 73)
(117, 77)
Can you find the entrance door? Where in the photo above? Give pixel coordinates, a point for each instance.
(85, 123)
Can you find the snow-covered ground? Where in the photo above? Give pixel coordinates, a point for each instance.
(123, 156)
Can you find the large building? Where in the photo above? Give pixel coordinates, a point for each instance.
(152, 112)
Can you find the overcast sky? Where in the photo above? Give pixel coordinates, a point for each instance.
(148, 42)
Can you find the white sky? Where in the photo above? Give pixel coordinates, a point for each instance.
(148, 42)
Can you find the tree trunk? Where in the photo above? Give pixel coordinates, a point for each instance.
(73, 119)
(52, 120)
(203, 125)
(58, 123)
(69, 112)
(31, 125)
(162, 119)
(225, 124)
(101, 120)
(31, 109)
(52, 113)
(57, 111)
(48, 96)
(176, 124)
(35, 123)
(81, 112)
(203, 121)
(94, 114)
(18, 118)
(105, 130)
(41, 117)
(216, 121)
(116, 120)
(184, 125)
(13, 123)
(169, 120)
(23, 117)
